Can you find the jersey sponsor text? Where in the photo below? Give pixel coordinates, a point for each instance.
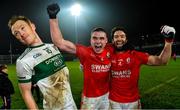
(100, 68)
(121, 74)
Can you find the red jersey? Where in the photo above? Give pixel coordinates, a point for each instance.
(125, 69)
(96, 70)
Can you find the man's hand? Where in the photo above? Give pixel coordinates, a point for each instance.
(52, 10)
(168, 32)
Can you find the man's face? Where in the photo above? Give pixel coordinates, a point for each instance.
(98, 41)
(119, 39)
(24, 32)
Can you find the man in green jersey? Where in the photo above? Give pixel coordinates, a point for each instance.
(41, 64)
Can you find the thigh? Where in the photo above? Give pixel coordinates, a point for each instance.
(88, 103)
(115, 105)
(104, 102)
(95, 103)
(134, 105)
(130, 105)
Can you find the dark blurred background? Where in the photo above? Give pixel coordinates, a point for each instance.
(141, 18)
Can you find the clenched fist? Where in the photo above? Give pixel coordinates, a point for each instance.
(52, 10)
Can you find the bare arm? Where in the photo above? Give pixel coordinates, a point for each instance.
(163, 58)
(169, 34)
(56, 35)
(27, 95)
(58, 39)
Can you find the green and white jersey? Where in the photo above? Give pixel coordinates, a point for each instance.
(44, 65)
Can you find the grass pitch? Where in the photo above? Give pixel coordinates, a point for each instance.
(159, 86)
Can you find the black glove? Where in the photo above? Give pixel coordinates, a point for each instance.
(168, 33)
(52, 10)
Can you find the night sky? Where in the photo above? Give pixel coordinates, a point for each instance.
(139, 17)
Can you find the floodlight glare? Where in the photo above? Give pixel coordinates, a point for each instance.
(75, 10)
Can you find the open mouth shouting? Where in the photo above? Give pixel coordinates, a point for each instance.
(98, 48)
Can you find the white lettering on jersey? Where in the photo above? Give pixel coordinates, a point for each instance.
(37, 55)
(100, 68)
(121, 74)
(57, 61)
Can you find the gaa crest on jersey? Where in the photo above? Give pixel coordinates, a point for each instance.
(128, 60)
(108, 55)
(58, 62)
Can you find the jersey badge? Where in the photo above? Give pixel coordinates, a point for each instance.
(36, 55)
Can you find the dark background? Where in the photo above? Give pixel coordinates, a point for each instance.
(139, 17)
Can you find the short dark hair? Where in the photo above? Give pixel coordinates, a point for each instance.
(98, 29)
(117, 28)
(16, 18)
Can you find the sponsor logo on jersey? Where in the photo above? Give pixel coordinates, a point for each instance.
(56, 60)
(100, 68)
(121, 73)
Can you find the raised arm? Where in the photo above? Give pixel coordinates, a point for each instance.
(27, 95)
(163, 58)
(55, 31)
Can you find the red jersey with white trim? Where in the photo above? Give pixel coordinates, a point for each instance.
(96, 70)
(125, 68)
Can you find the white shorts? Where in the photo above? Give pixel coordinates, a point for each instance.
(95, 103)
(121, 106)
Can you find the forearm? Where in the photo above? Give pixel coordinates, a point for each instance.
(166, 53)
(25, 89)
(169, 35)
(56, 35)
(29, 100)
(163, 58)
(55, 31)
(58, 39)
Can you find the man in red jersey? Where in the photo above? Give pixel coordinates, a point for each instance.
(125, 68)
(95, 60)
